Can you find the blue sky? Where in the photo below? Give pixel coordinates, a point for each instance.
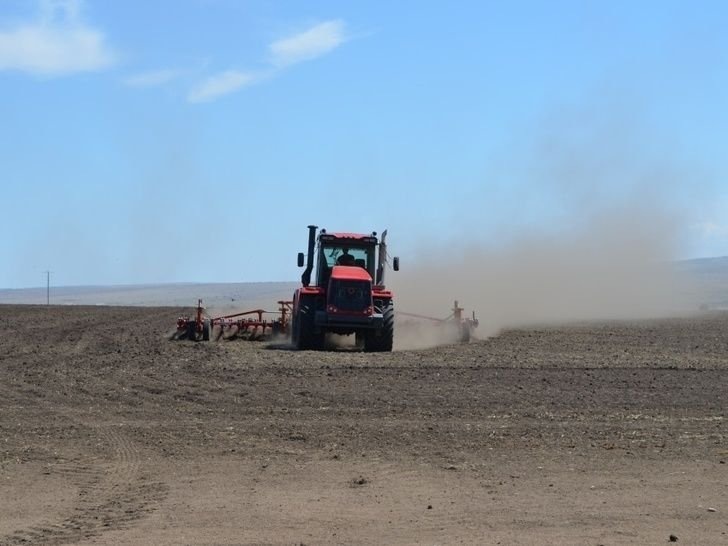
(194, 140)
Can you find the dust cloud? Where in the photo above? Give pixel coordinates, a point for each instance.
(602, 250)
(615, 268)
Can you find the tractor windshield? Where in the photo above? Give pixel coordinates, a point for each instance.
(339, 253)
(346, 255)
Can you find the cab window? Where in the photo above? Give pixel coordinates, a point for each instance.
(341, 255)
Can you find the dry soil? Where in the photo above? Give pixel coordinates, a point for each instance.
(589, 434)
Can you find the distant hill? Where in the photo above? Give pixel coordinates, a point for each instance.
(233, 296)
(705, 267)
(706, 285)
(707, 279)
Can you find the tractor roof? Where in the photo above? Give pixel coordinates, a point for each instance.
(342, 235)
(362, 237)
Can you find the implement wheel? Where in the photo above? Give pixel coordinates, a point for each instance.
(192, 330)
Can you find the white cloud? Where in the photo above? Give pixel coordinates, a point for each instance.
(307, 45)
(221, 84)
(57, 44)
(152, 78)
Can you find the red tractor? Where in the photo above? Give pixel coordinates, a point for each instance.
(348, 295)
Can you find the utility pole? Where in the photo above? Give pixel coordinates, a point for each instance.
(48, 287)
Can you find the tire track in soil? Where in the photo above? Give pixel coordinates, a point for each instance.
(113, 493)
(422, 500)
(408, 502)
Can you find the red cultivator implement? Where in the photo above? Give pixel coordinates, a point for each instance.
(252, 325)
(258, 324)
(462, 327)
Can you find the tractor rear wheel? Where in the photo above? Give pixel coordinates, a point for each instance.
(304, 334)
(379, 341)
(206, 330)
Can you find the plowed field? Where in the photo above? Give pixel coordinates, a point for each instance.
(110, 433)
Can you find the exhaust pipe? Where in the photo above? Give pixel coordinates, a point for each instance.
(306, 276)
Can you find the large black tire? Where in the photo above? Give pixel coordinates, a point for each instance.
(304, 335)
(380, 341)
(206, 330)
(192, 330)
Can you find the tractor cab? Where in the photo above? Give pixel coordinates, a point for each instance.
(345, 250)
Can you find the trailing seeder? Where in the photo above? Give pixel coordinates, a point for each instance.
(460, 327)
